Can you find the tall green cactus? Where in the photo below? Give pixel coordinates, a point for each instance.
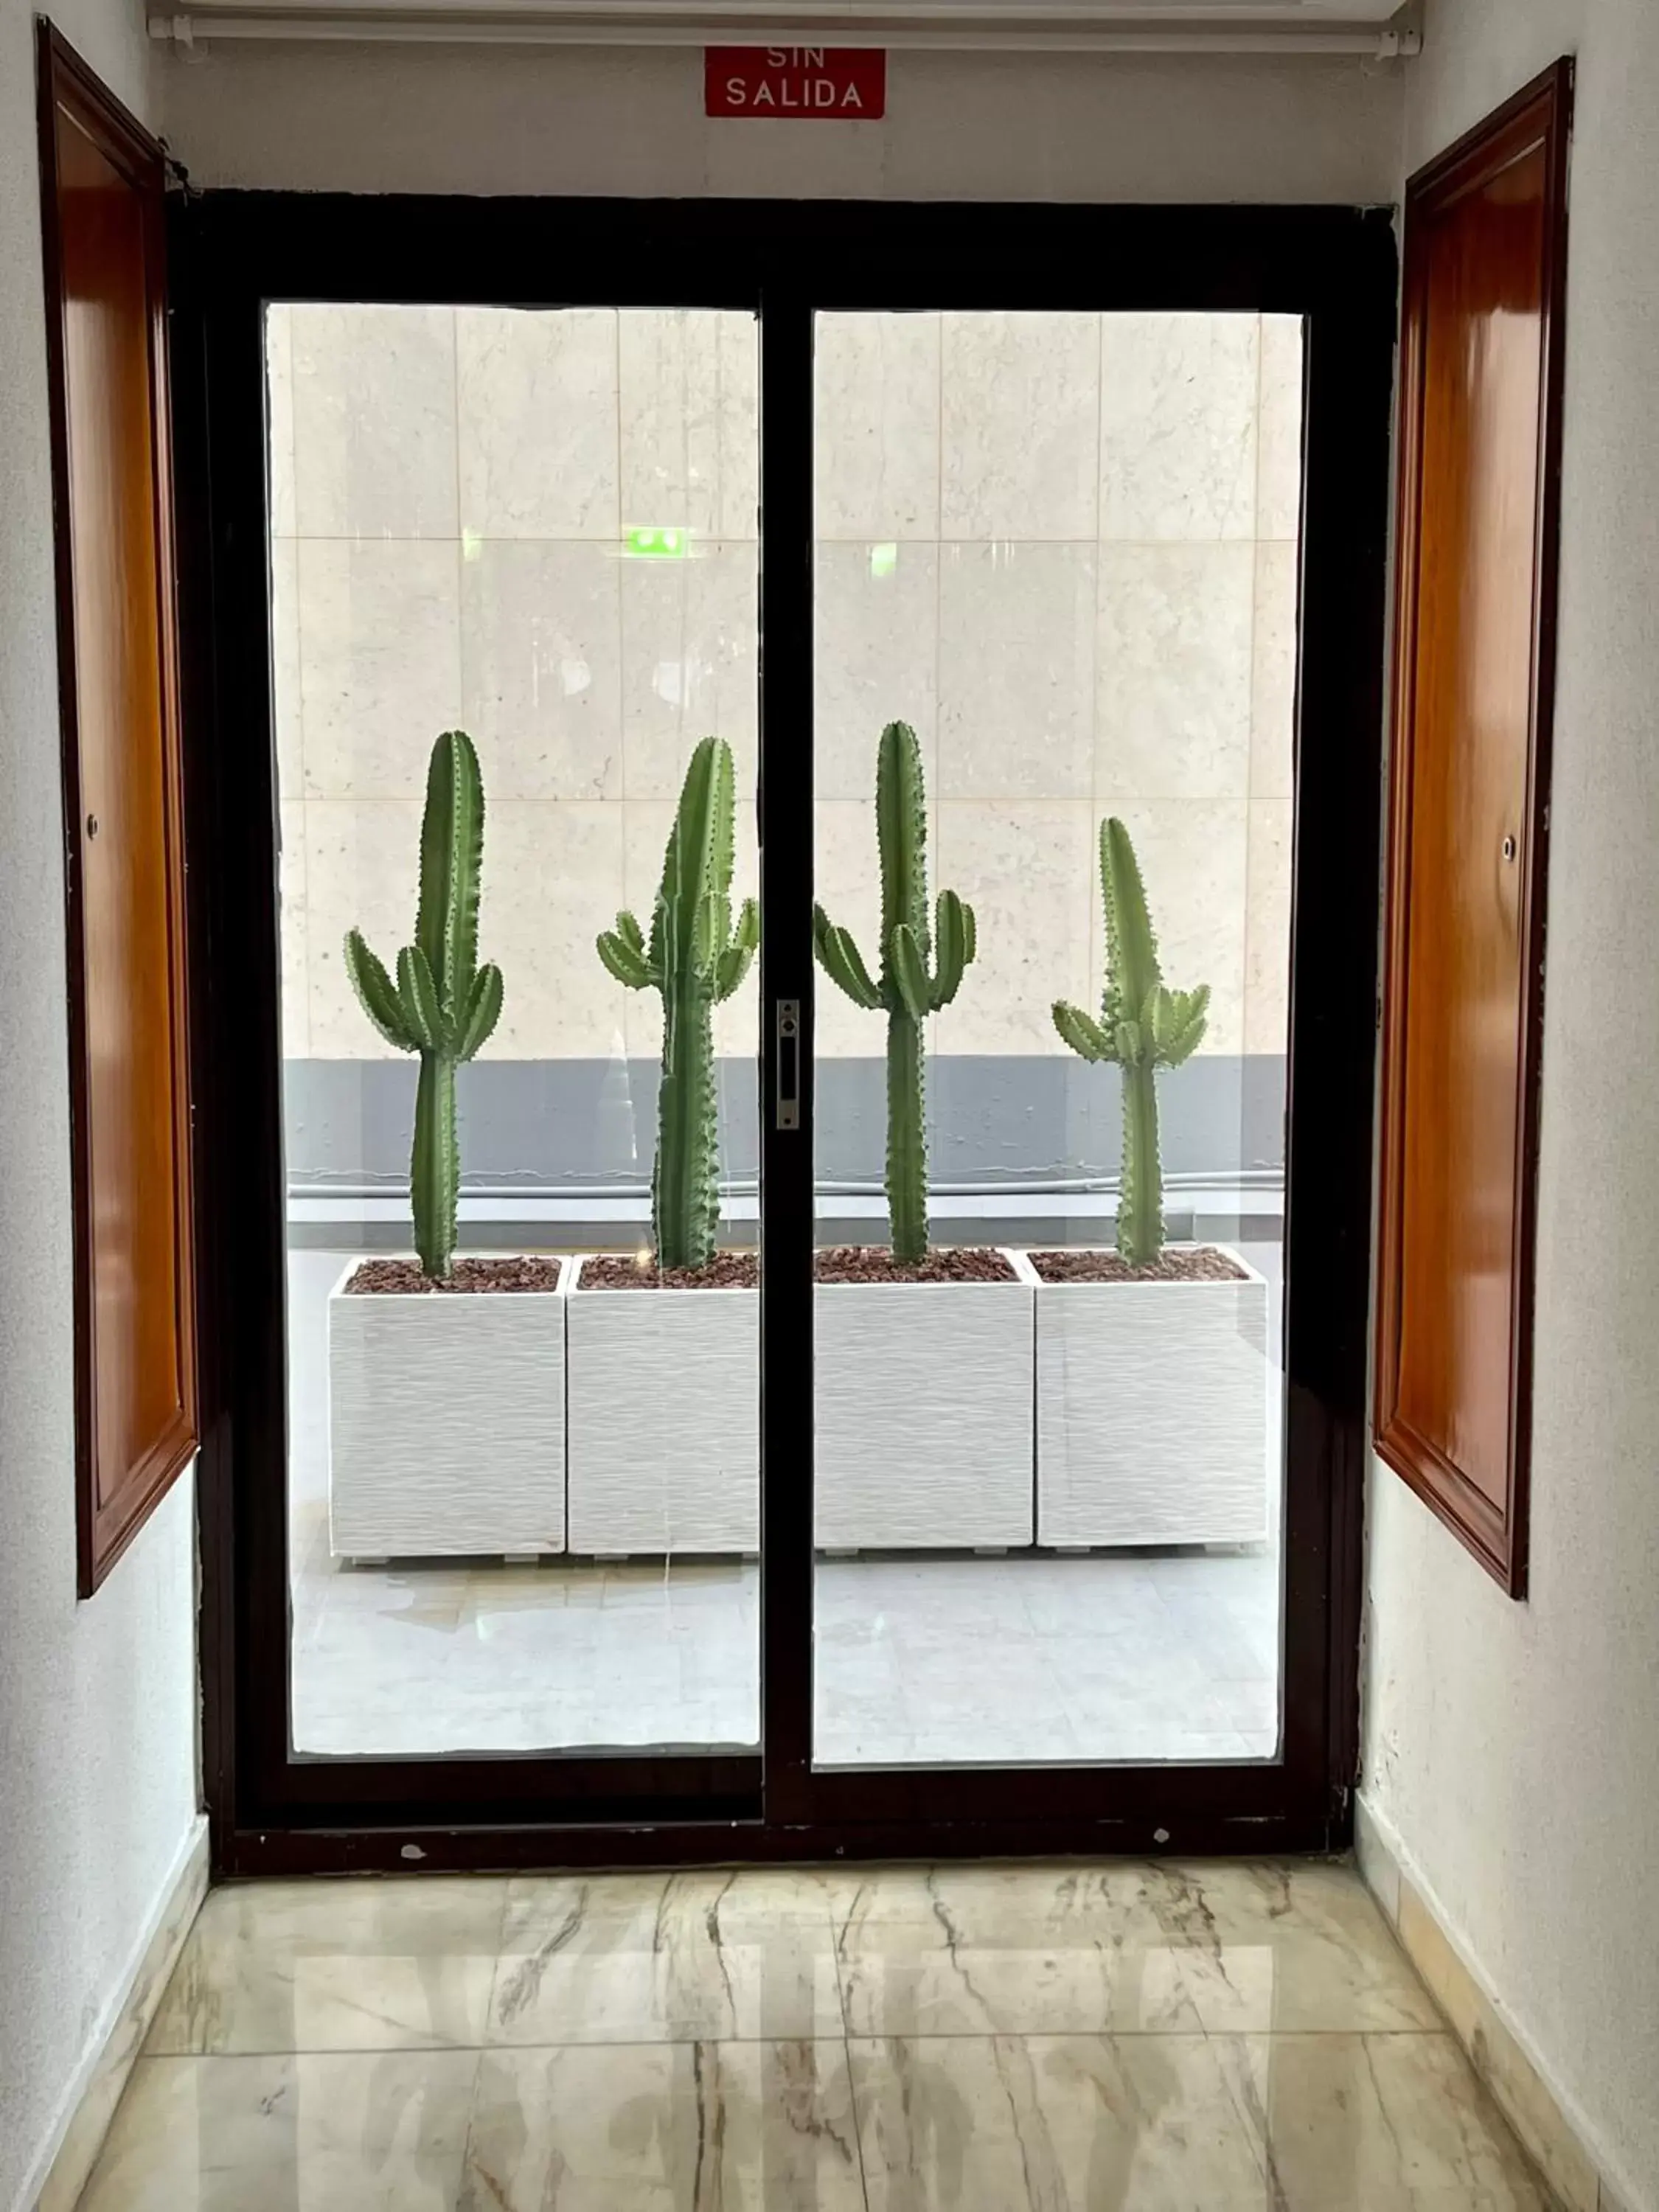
(443, 1006)
(696, 959)
(918, 975)
(1143, 1026)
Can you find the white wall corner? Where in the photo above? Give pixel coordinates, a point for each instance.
(1554, 2132)
(87, 2105)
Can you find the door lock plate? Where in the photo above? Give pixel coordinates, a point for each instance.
(787, 1063)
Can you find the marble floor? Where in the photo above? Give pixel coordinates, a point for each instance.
(1114, 2038)
(1131, 1655)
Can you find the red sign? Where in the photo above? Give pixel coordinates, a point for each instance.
(844, 84)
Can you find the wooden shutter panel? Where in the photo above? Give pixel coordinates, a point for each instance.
(1480, 394)
(103, 183)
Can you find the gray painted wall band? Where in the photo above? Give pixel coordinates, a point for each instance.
(578, 1124)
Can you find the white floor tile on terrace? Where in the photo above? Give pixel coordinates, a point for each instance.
(920, 1659)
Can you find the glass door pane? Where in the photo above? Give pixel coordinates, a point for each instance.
(524, 1509)
(1056, 582)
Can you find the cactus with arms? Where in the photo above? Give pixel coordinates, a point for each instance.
(1143, 1026)
(919, 973)
(695, 958)
(443, 1006)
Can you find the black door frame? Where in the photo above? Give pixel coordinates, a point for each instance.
(231, 252)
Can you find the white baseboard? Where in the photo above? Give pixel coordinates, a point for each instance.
(1553, 2131)
(88, 2102)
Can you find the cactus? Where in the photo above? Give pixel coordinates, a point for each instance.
(1143, 1026)
(443, 1006)
(918, 975)
(695, 958)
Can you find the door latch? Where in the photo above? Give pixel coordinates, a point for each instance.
(787, 1064)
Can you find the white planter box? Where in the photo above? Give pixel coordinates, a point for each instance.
(922, 1400)
(923, 1408)
(664, 1420)
(1152, 1407)
(445, 1422)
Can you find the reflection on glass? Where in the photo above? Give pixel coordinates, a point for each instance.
(512, 567)
(1057, 568)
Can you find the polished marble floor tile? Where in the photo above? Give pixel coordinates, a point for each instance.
(1159, 1948)
(1272, 1946)
(698, 1901)
(989, 1904)
(976, 2039)
(1054, 2123)
(686, 2127)
(668, 1959)
(1376, 2124)
(1244, 1897)
(908, 1980)
(335, 1966)
(365, 2131)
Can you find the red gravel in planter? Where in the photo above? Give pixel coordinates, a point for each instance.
(403, 1276)
(873, 1263)
(1201, 1264)
(616, 1271)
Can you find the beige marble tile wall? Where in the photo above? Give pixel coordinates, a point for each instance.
(450, 496)
(1063, 546)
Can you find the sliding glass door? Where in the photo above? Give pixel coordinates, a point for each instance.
(1055, 568)
(538, 528)
(791, 1210)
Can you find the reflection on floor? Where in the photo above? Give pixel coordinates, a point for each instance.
(1126, 1655)
(985, 2038)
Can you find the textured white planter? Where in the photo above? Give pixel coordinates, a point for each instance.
(1153, 1412)
(445, 1422)
(922, 1400)
(664, 1420)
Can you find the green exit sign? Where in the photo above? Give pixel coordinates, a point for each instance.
(656, 543)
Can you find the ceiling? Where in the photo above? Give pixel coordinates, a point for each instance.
(1376, 26)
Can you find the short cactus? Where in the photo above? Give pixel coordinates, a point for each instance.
(696, 959)
(918, 976)
(443, 1006)
(1143, 1026)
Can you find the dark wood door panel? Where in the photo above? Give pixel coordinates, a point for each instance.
(103, 187)
(1480, 415)
(1462, 1039)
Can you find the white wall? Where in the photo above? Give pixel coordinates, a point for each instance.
(962, 126)
(1514, 1749)
(98, 1701)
